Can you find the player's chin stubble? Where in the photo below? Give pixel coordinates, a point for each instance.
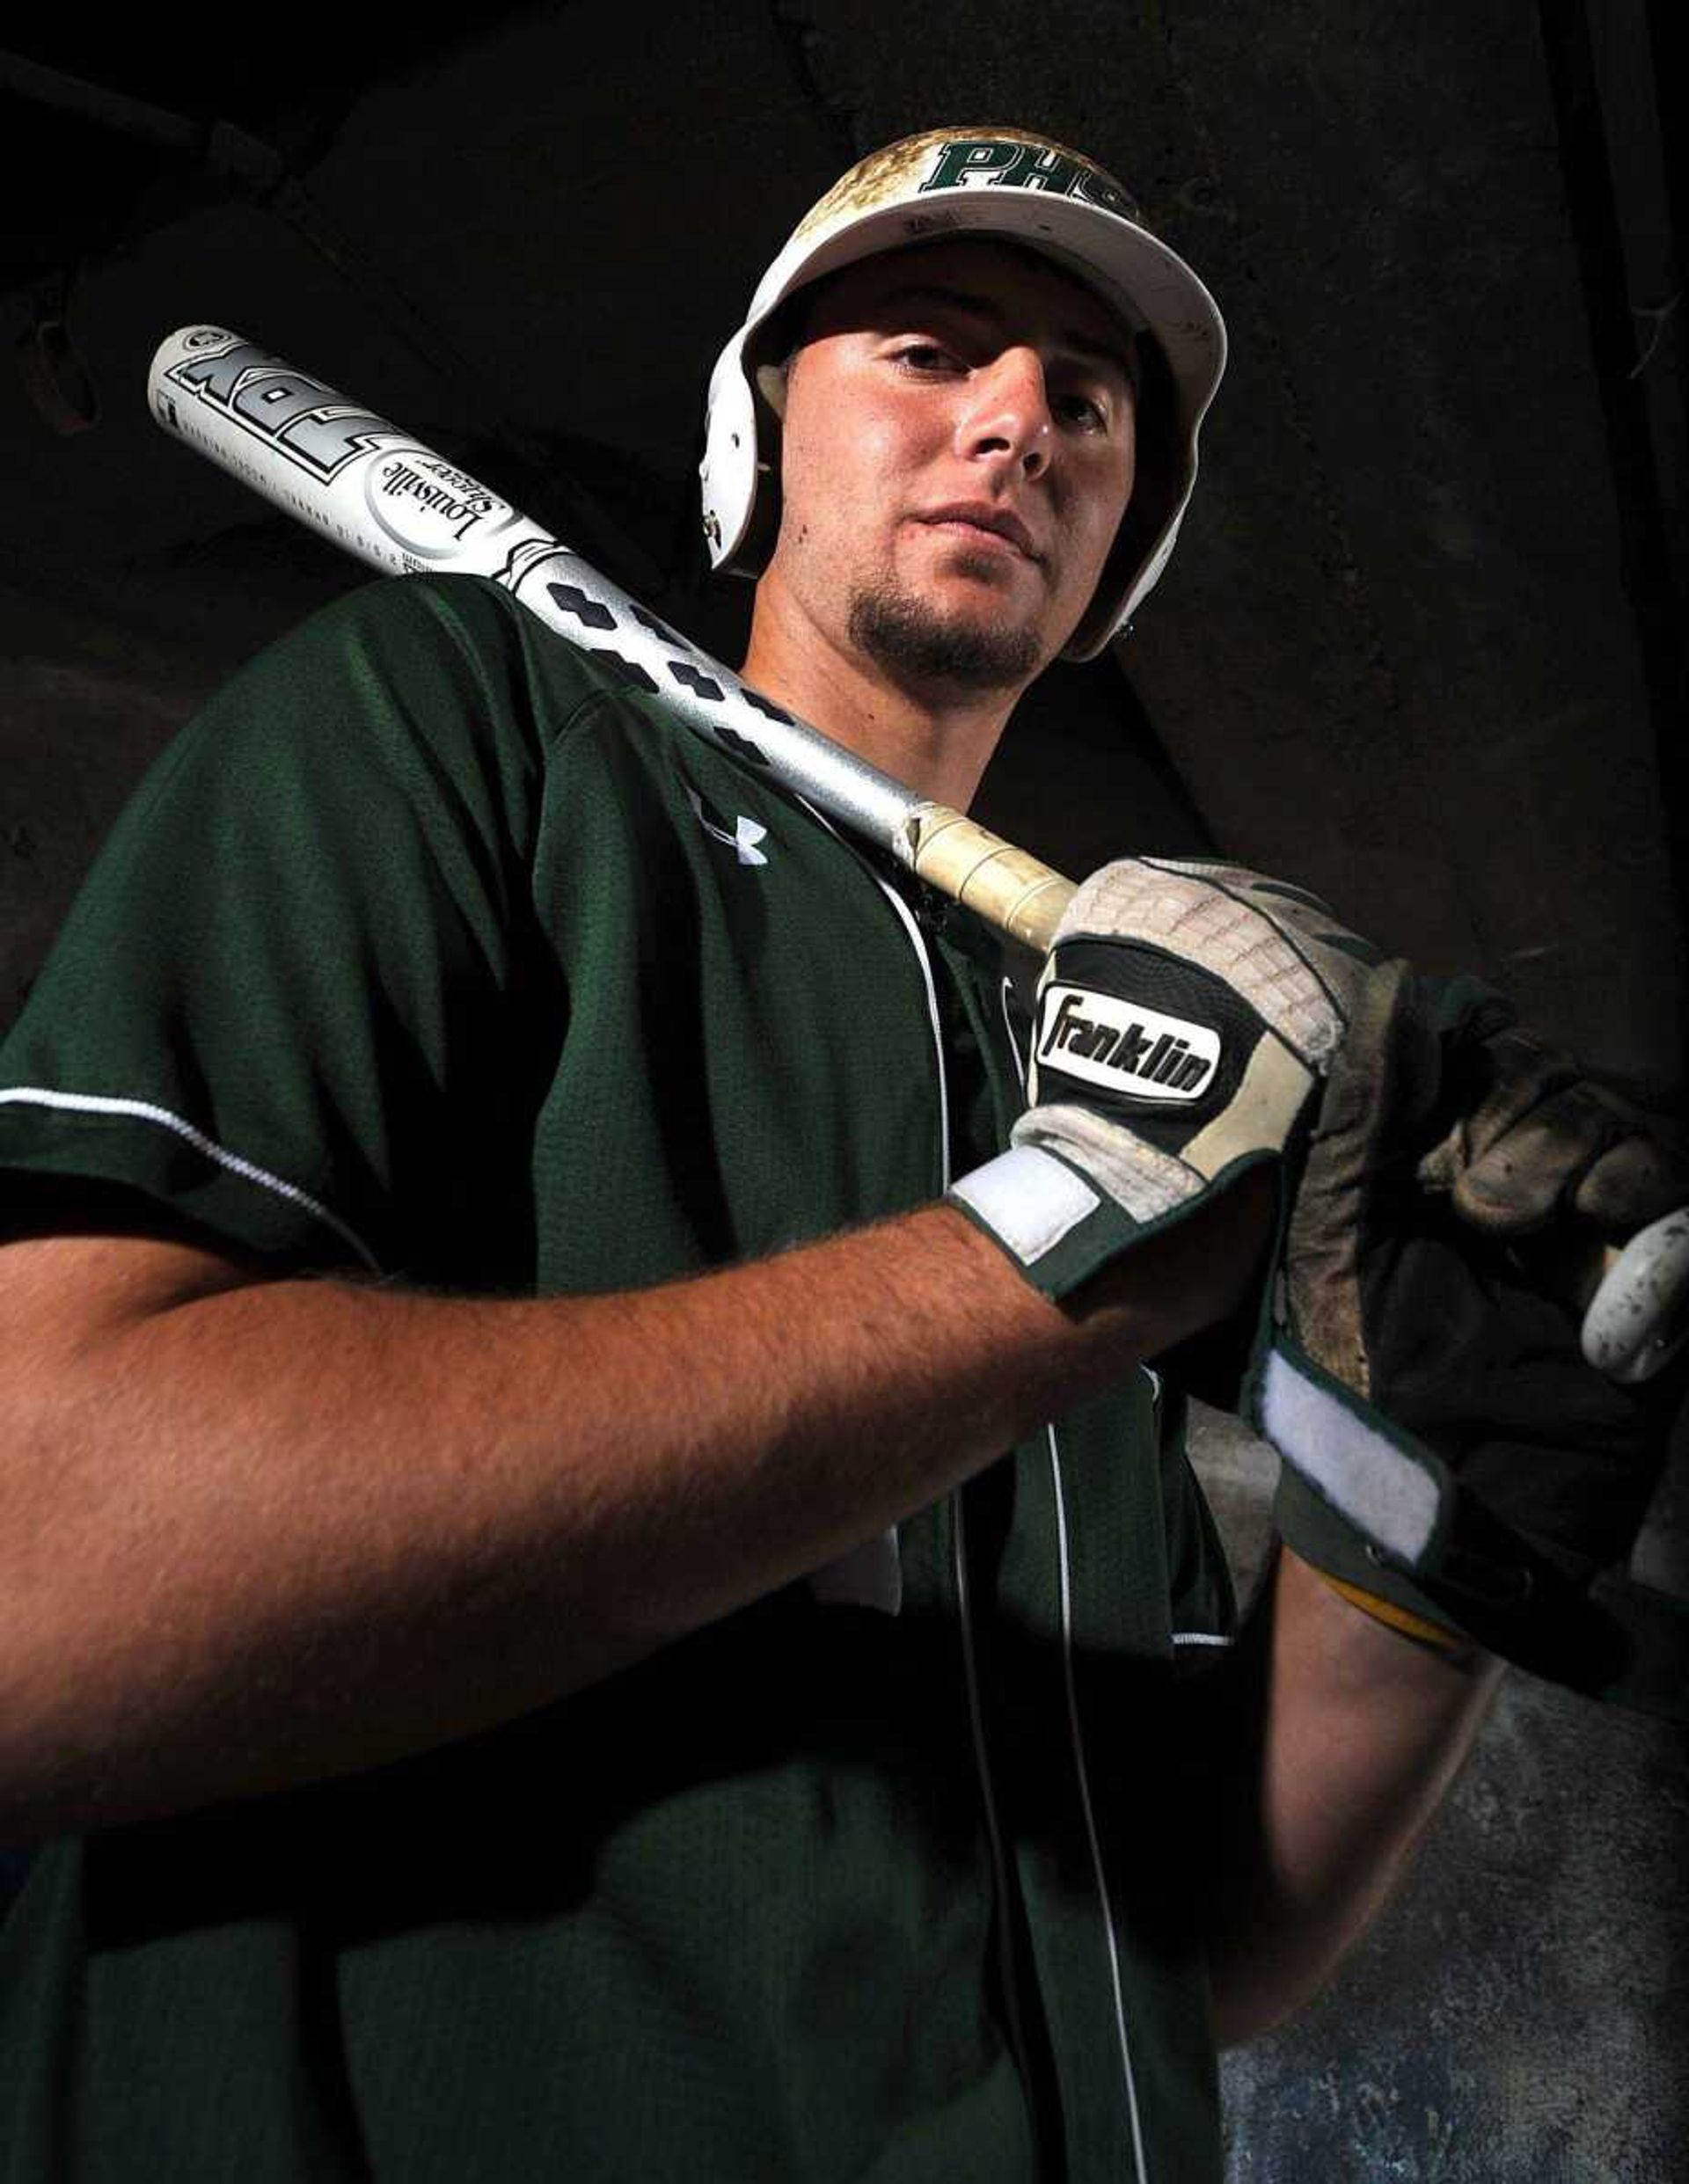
(902, 632)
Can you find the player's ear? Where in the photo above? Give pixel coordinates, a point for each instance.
(770, 372)
(771, 382)
(763, 529)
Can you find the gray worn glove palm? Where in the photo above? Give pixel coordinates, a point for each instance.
(1449, 1448)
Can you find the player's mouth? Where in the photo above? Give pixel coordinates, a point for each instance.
(979, 520)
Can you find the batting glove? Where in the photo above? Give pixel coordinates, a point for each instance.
(1186, 1014)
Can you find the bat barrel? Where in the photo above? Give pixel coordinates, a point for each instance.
(327, 460)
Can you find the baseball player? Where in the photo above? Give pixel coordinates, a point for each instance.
(602, 1580)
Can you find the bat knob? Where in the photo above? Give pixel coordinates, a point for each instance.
(1638, 1320)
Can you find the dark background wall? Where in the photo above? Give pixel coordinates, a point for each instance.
(1420, 647)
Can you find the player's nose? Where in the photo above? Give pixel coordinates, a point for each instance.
(1008, 410)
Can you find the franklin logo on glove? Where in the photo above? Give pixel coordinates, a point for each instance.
(1186, 1014)
(1105, 1040)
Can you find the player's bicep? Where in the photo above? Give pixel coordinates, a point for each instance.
(283, 1007)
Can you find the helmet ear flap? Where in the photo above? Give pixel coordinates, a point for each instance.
(768, 361)
(763, 524)
(1157, 485)
(740, 470)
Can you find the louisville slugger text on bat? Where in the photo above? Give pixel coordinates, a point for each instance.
(399, 506)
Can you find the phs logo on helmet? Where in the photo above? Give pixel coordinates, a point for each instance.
(971, 162)
(1115, 1044)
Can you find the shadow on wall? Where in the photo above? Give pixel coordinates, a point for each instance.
(14, 1864)
(1519, 2015)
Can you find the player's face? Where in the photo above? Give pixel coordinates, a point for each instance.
(957, 456)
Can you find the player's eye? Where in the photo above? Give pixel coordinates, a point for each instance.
(926, 356)
(1084, 411)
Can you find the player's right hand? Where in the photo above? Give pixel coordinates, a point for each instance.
(1448, 1451)
(1186, 1014)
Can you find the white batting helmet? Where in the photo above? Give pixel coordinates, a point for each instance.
(953, 182)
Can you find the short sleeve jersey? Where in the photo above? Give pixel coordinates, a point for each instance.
(433, 950)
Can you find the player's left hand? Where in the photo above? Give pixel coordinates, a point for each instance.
(1555, 1165)
(1536, 1144)
(1424, 1380)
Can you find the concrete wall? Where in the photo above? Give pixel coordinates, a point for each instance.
(1520, 2013)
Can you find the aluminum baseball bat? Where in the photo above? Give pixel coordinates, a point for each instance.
(397, 505)
(378, 493)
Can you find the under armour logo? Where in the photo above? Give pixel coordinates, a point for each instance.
(743, 839)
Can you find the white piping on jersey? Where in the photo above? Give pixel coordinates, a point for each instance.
(959, 1555)
(143, 1111)
(919, 945)
(976, 1713)
(988, 1797)
(1004, 991)
(958, 1535)
(913, 930)
(1083, 1774)
(882, 1555)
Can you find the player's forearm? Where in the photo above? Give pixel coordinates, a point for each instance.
(259, 1533)
(1359, 1734)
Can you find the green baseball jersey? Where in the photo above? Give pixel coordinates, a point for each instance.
(433, 949)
